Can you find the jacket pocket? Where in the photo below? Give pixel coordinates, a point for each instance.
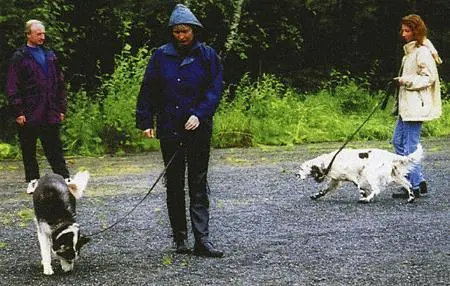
(425, 97)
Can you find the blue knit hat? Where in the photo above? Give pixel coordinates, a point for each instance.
(182, 15)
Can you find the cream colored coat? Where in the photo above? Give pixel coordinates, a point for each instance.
(419, 97)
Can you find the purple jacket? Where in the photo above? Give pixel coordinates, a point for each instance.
(31, 93)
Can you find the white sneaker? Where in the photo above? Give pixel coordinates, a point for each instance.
(32, 186)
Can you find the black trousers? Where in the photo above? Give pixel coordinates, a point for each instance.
(193, 153)
(49, 135)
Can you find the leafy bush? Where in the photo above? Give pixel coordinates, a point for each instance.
(8, 151)
(270, 113)
(120, 93)
(266, 112)
(105, 123)
(83, 125)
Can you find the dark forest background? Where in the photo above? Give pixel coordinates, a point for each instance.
(300, 41)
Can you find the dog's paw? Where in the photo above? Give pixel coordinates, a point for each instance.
(48, 270)
(364, 200)
(66, 266)
(411, 199)
(316, 196)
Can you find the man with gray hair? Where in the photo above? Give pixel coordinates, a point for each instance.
(36, 93)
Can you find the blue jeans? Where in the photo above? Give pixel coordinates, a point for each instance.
(405, 140)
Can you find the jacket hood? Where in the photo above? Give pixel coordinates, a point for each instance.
(182, 15)
(427, 43)
(409, 47)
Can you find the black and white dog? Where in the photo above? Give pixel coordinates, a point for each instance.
(54, 207)
(368, 169)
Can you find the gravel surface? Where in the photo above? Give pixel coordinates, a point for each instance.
(261, 216)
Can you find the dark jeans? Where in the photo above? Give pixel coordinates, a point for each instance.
(193, 152)
(51, 143)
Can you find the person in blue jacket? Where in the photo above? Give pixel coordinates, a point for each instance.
(181, 88)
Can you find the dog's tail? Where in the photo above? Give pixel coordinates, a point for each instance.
(78, 184)
(417, 155)
(407, 163)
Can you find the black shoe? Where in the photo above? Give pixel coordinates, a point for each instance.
(405, 195)
(423, 187)
(206, 249)
(181, 246)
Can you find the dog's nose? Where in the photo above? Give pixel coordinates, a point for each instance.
(300, 175)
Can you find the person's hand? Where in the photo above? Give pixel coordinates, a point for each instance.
(21, 120)
(192, 123)
(149, 133)
(61, 116)
(401, 81)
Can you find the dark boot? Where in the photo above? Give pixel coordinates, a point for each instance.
(207, 249)
(405, 195)
(423, 187)
(181, 246)
(402, 195)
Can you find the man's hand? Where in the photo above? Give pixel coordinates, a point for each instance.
(61, 116)
(192, 123)
(21, 120)
(149, 133)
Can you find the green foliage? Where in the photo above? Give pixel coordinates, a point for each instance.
(8, 151)
(352, 92)
(269, 113)
(5, 150)
(445, 90)
(441, 126)
(107, 124)
(120, 92)
(83, 125)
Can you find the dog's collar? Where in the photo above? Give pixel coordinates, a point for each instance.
(62, 228)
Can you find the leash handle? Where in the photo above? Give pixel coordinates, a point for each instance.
(136, 205)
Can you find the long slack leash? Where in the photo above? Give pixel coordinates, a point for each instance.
(143, 199)
(383, 104)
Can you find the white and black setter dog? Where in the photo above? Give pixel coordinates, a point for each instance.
(369, 169)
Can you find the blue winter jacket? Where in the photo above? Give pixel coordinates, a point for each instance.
(174, 88)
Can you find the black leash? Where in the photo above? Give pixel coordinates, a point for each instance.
(135, 206)
(320, 177)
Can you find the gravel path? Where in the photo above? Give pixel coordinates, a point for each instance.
(261, 216)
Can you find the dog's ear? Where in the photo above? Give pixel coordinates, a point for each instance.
(317, 173)
(78, 184)
(82, 240)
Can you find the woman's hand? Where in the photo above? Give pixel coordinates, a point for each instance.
(192, 123)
